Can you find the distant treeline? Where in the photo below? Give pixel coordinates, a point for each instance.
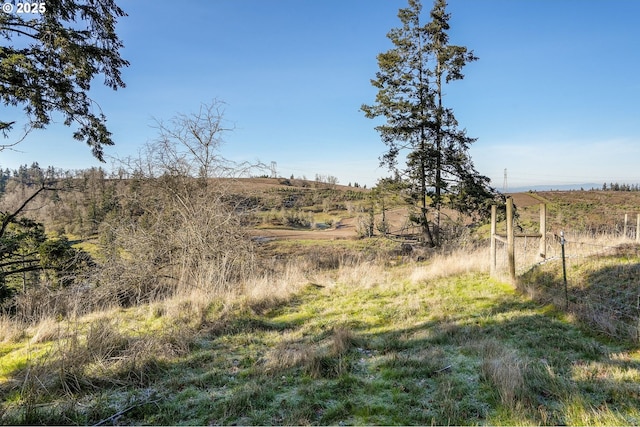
(36, 175)
(82, 199)
(620, 187)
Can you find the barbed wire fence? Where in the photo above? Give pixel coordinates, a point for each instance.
(593, 276)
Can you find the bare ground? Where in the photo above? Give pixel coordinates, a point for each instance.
(346, 228)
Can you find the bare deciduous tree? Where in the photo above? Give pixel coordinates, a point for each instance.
(189, 144)
(188, 231)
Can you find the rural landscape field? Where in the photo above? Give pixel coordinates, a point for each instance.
(322, 323)
(173, 273)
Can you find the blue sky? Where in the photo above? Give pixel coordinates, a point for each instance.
(553, 98)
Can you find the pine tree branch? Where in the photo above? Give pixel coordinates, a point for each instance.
(9, 218)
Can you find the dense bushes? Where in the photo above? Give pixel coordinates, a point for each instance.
(164, 222)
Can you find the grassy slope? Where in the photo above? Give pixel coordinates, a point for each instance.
(456, 350)
(579, 211)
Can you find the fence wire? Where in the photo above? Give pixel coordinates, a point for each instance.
(602, 278)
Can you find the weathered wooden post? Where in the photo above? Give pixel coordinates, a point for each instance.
(638, 229)
(543, 230)
(492, 254)
(511, 242)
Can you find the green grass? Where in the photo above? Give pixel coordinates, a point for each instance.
(602, 291)
(16, 357)
(457, 350)
(89, 245)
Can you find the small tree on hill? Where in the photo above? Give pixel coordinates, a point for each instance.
(410, 82)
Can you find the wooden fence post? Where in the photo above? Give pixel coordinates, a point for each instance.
(511, 242)
(492, 254)
(638, 229)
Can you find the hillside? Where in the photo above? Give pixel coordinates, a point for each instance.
(87, 198)
(592, 212)
(181, 319)
(367, 345)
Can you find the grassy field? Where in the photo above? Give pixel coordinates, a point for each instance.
(359, 342)
(594, 212)
(336, 330)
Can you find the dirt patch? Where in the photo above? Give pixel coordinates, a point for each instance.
(346, 228)
(523, 200)
(331, 234)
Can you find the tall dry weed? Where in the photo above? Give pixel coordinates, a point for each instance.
(322, 359)
(288, 353)
(578, 245)
(459, 261)
(42, 302)
(104, 340)
(10, 329)
(280, 282)
(48, 329)
(342, 340)
(364, 274)
(505, 370)
(189, 308)
(329, 359)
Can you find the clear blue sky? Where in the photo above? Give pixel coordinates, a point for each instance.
(553, 98)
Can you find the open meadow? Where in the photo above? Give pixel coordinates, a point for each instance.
(191, 282)
(331, 327)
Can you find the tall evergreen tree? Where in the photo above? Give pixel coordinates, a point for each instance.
(419, 126)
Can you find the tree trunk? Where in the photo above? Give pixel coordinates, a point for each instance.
(438, 189)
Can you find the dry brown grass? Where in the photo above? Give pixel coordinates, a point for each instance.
(189, 308)
(290, 352)
(100, 349)
(505, 370)
(48, 329)
(328, 360)
(280, 282)
(285, 278)
(601, 281)
(288, 277)
(365, 274)
(342, 340)
(323, 359)
(460, 261)
(105, 341)
(578, 246)
(94, 350)
(584, 244)
(10, 330)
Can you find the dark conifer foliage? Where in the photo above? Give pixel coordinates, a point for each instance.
(419, 126)
(48, 61)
